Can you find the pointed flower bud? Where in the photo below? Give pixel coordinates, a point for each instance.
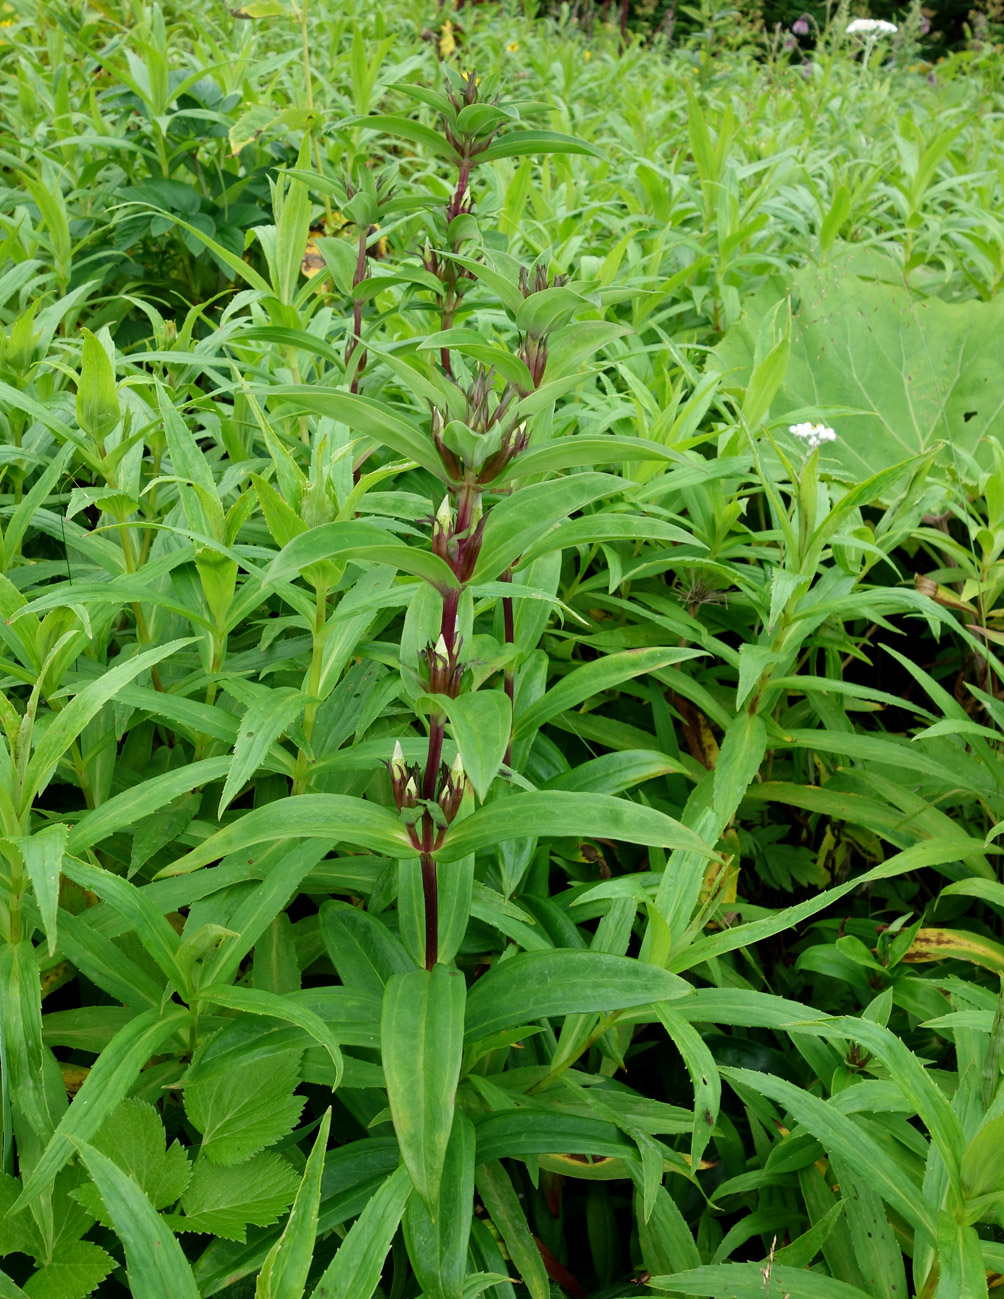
(397, 766)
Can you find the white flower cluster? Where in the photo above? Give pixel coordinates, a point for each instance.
(814, 434)
(871, 27)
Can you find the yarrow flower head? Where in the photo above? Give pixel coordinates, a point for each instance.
(871, 27)
(813, 435)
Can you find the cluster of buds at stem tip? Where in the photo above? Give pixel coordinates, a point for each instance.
(476, 450)
(451, 788)
(532, 350)
(405, 780)
(459, 546)
(444, 670)
(468, 144)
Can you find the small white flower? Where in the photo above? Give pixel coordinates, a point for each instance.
(871, 27)
(813, 435)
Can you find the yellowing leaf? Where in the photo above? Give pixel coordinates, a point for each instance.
(955, 945)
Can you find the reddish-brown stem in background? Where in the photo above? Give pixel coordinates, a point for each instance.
(510, 675)
(357, 312)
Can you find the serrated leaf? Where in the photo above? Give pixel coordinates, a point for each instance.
(224, 1201)
(76, 1269)
(245, 1109)
(264, 722)
(133, 1138)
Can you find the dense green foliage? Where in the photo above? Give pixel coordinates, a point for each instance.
(484, 806)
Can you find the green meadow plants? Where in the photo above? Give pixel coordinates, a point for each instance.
(500, 721)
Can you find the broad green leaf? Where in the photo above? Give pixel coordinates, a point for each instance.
(421, 1038)
(536, 985)
(284, 1273)
(913, 370)
(240, 1112)
(155, 1264)
(437, 1246)
(333, 817)
(876, 1249)
(526, 1131)
(481, 722)
(982, 1168)
(355, 1269)
(580, 816)
(223, 1201)
(110, 1079)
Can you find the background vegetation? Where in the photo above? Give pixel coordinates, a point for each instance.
(485, 807)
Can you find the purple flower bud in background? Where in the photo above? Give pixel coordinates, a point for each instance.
(801, 25)
(932, 80)
(790, 44)
(925, 26)
(807, 72)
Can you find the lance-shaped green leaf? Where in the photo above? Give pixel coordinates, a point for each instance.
(535, 985)
(21, 1037)
(284, 1273)
(97, 399)
(42, 854)
(532, 144)
(108, 1083)
(422, 1038)
(255, 1001)
(583, 816)
(142, 800)
(152, 928)
(373, 418)
(437, 1246)
(265, 721)
(356, 540)
(519, 520)
(506, 1213)
(335, 817)
(481, 722)
(746, 1281)
(838, 1132)
(155, 1264)
(602, 674)
(64, 728)
(355, 1269)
